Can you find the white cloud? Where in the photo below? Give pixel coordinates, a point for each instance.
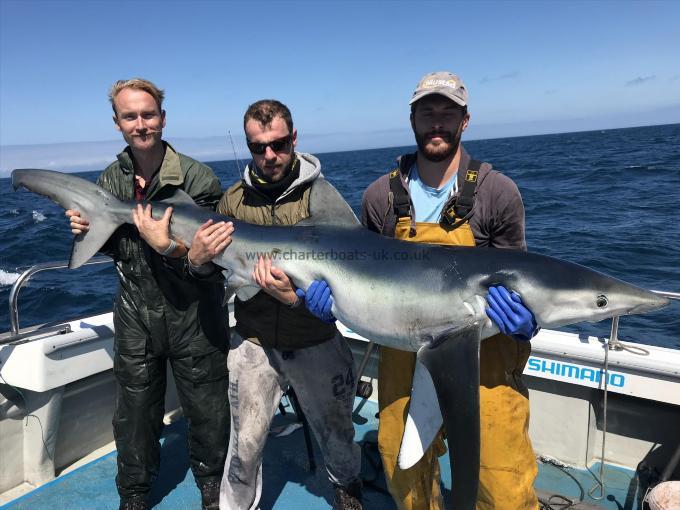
(640, 80)
(505, 76)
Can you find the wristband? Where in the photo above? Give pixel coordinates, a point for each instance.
(170, 249)
(202, 270)
(298, 301)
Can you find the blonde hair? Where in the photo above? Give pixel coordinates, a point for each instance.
(137, 84)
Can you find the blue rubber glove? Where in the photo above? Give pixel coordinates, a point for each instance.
(509, 313)
(319, 300)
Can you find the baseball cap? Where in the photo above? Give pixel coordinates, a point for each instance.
(442, 83)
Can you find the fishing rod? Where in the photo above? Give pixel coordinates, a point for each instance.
(236, 159)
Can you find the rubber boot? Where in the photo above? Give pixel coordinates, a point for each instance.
(348, 497)
(210, 495)
(138, 503)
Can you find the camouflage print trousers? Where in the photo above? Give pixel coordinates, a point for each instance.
(324, 381)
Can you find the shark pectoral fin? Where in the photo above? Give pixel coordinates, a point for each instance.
(424, 419)
(247, 292)
(453, 363)
(88, 243)
(327, 207)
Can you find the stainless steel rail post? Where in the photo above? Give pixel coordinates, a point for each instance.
(23, 278)
(614, 343)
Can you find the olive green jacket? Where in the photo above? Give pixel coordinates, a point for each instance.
(263, 319)
(159, 308)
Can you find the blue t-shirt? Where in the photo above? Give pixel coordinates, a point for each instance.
(428, 201)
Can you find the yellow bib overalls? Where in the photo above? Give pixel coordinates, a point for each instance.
(507, 463)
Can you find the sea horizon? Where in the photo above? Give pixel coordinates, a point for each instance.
(96, 155)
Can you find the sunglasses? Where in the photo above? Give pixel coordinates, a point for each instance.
(279, 145)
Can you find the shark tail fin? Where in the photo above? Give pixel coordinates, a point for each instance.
(87, 244)
(103, 210)
(105, 216)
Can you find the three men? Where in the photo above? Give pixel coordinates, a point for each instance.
(437, 195)
(161, 313)
(278, 342)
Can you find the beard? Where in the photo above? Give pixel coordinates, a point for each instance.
(444, 149)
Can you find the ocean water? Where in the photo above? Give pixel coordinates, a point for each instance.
(609, 200)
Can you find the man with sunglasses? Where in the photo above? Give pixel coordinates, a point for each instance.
(276, 341)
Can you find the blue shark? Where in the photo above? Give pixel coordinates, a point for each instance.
(421, 298)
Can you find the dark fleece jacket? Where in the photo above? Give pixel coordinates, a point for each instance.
(497, 220)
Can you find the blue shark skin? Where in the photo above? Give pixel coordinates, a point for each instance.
(413, 297)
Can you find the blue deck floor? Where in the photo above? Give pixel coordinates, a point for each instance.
(287, 481)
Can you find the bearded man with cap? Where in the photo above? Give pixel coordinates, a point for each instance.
(439, 195)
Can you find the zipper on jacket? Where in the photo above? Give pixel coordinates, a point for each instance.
(264, 196)
(273, 213)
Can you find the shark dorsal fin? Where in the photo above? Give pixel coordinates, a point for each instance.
(327, 207)
(178, 197)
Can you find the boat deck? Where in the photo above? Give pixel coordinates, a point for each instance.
(288, 482)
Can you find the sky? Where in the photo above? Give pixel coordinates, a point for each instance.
(345, 69)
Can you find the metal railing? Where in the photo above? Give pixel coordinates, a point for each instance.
(24, 277)
(597, 491)
(669, 295)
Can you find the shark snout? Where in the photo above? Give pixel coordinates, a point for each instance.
(649, 302)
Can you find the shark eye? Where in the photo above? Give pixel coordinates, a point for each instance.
(601, 301)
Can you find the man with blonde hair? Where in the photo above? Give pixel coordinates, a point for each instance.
(161, 313)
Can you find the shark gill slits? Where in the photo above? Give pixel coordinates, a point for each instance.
(601, 301)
